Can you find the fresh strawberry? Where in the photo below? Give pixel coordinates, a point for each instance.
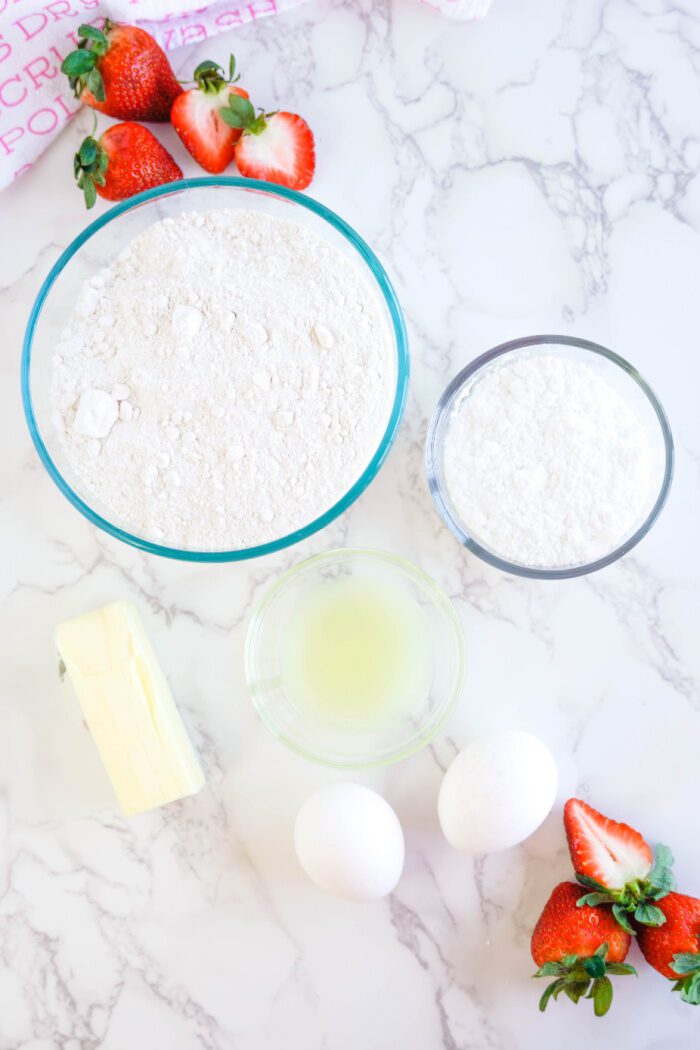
(126, 159)
(196, 116)
(121, 71)
(674, 948)
(581, 947)
(615, 862)
(278, 147)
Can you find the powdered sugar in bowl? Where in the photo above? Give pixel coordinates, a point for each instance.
(549, 457)
(215, 369)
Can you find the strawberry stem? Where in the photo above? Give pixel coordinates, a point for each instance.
(210, 77)
(90, 169)
(80, 66)
(240, 113)
(636, 898)
(587, 977)
(687, 966)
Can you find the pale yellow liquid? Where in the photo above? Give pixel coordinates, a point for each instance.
(358, 653)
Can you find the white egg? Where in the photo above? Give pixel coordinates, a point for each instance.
(497, 791)
(349, 842)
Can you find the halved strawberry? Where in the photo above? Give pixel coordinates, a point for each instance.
(196, 116)
(616, 863)
(613, 854)
(278, 147)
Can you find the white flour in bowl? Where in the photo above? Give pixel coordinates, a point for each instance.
(225, 381)
(546, 464)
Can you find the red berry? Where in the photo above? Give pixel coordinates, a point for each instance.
(679, 933)
(565, 929)
(123, 72)
(580, 947)
(196, 117)
(127, 159)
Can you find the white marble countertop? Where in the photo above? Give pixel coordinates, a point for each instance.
(535, 172)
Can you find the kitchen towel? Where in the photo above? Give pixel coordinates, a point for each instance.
(36, 35)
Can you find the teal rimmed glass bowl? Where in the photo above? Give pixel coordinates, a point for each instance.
(99, 244)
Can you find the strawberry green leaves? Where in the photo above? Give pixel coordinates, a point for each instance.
(661, 875)
(595, 966)
(649, 915)
(78, 63)
(240, 113)
(90, 169)
(620, 911)
(635, 900)
(552, 989)
(210, 77)
(95, 85)
(81, 66)
(602, 995)
(97, 36)
(87, 154)
(686, 962)
(588, 977)
(687, 966)
(689, 988)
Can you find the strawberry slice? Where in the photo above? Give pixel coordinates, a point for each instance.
(277, 147)
(616, 863)
(613, 854)
(196, 116)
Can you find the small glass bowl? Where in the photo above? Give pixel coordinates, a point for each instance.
(99, 244)
(321, 739)
(619, 374)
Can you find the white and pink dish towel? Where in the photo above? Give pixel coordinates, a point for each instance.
(36, 35)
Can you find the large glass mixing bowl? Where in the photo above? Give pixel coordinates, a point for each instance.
(99, 244)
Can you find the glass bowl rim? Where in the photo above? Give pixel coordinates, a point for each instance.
(433, 452)
(397, 324)
(423, 580)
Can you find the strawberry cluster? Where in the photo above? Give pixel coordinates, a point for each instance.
(121, 71)
(583, 940)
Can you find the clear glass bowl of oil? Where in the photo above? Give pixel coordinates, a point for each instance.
(355, 658)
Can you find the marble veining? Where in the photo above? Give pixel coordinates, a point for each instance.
(537, 171)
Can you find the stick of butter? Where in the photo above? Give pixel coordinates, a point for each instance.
(129, 709)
